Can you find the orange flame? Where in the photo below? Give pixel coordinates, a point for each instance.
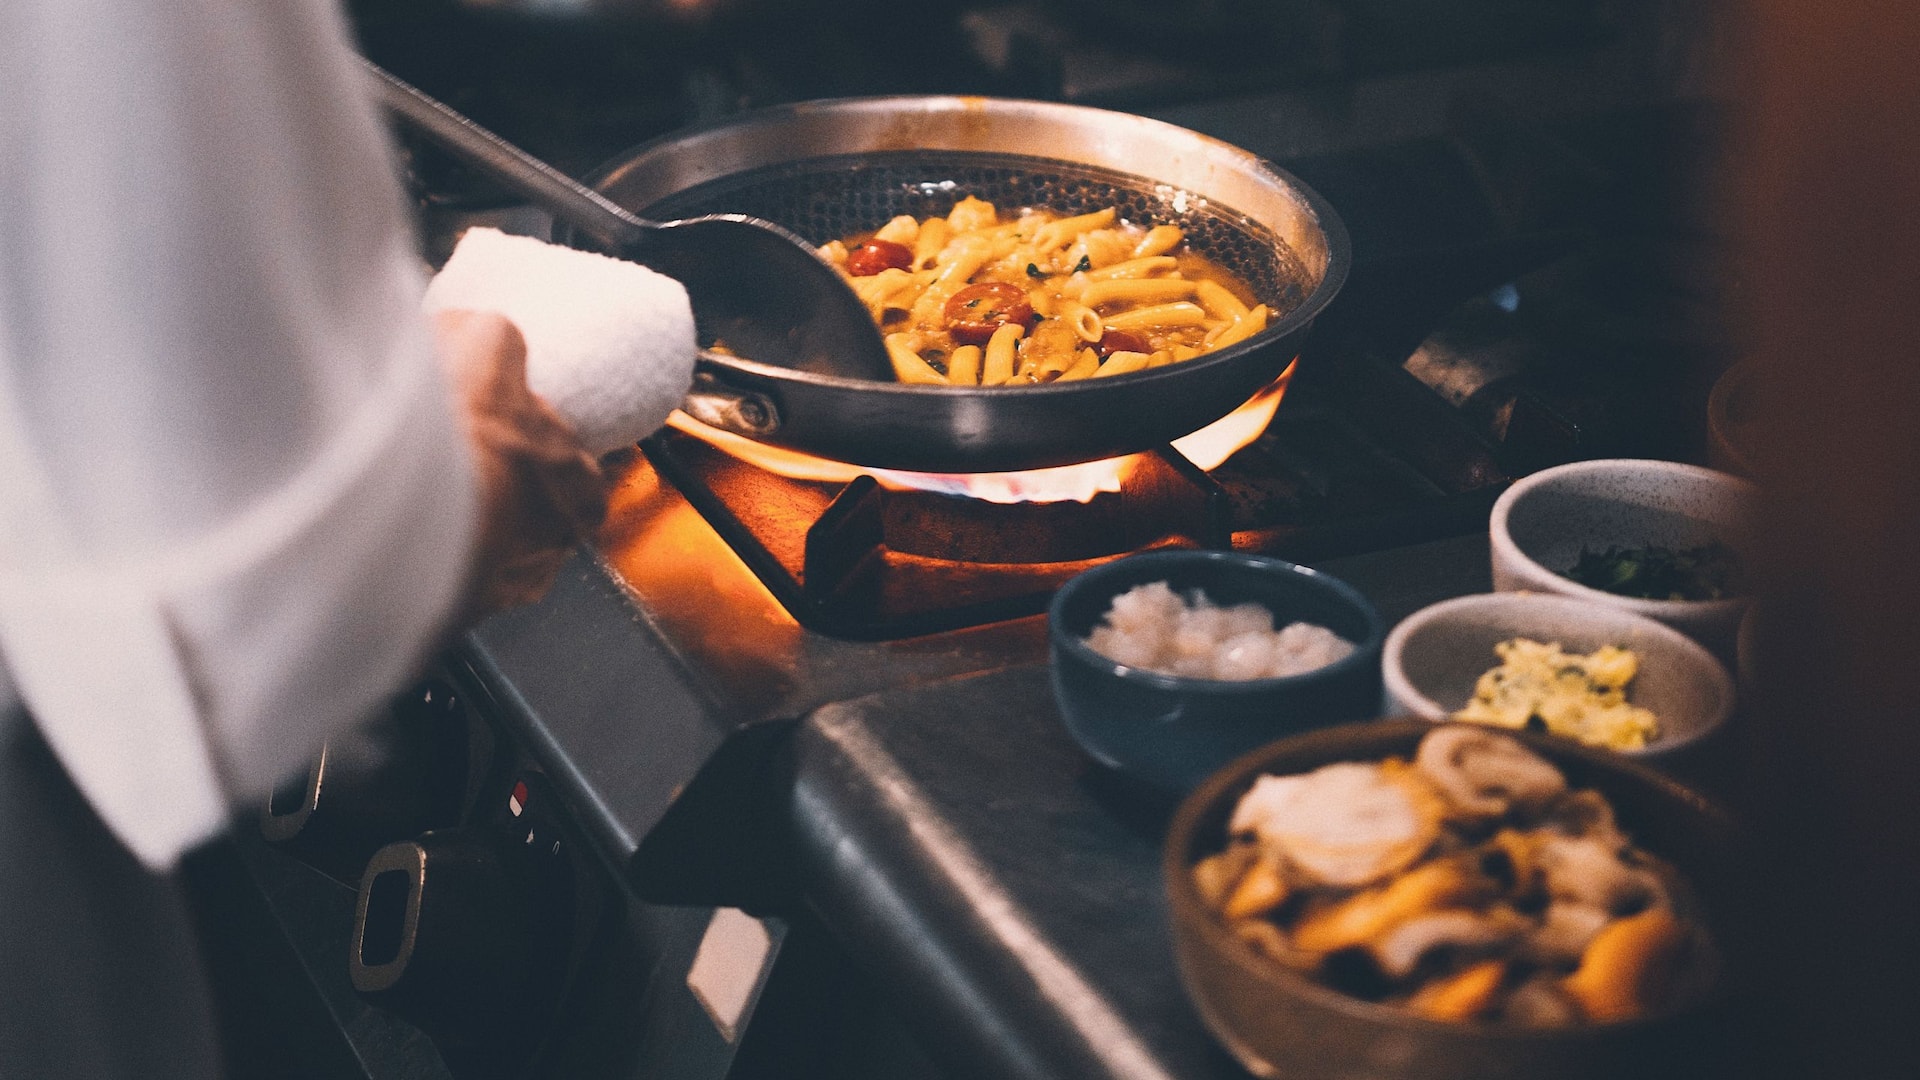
(1206, 448)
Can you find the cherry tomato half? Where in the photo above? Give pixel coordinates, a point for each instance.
(1113, 341)
(876, 255)
(976, 311)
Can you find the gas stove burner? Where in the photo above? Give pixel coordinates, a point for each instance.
(862, 562)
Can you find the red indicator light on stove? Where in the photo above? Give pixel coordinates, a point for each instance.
(517, 802)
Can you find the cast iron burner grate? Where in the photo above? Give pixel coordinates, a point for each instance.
(862, 562)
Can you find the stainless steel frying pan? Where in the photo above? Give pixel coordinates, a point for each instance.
(830, 169)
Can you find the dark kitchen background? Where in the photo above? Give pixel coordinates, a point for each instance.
(1536, 199)
(1556, 148)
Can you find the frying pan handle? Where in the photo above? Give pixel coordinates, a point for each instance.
(559, 194)
(743, 412)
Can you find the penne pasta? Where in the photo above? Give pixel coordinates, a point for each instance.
(1085, 363)
(931, 240)
(1099, 249)
(1121, 363)
(1219, 303)
(958, 262)
(881, 286)
(1132, 268)
(1178, 313)
(907, 365)
(1036, 298)
(1136, 291)
(1241, 329)
(1159, 240)
(963, 367)
(997, 361)
(1083, 319)
(1056, 234)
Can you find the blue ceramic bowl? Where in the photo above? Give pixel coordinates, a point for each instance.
(1172, 731)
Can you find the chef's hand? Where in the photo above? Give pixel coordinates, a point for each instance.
(540, 492)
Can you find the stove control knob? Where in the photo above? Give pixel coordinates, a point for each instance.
(402, 774)
(466, 932)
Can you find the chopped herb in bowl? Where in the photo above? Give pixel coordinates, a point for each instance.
(1655, 572)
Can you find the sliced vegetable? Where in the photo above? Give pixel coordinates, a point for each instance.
(1114, 341)
(1628, 966)
(1261, 890)
(876, 255)
(1460, 997)
(976, 311)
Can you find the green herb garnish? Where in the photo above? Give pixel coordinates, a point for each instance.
(1085, 263)
(1034, 271)
(1654, 572)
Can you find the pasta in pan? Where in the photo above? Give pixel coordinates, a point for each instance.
(970, 299)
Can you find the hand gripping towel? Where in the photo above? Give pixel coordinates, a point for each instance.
(610, 344)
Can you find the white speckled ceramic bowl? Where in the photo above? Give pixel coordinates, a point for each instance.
(1541, 523)
(1432, 659)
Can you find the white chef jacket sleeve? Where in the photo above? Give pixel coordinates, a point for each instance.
(235, 502)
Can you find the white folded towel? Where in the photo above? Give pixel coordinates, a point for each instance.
(610, 343)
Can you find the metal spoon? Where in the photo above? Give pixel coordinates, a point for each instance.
(761, 290)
